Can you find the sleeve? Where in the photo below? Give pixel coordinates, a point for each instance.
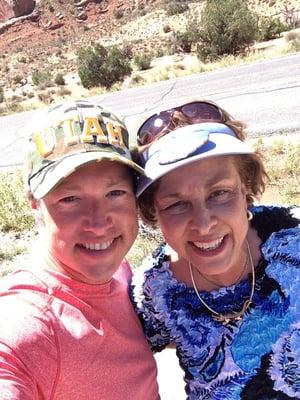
(28, 352)
(145, 301)
(15, 382)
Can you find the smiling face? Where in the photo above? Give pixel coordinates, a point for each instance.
(201, 209)
(90, 221)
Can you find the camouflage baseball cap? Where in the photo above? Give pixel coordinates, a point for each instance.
(69, 135)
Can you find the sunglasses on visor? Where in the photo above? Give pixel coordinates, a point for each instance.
(197, 111)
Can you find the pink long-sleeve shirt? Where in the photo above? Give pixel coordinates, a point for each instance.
(66, 340)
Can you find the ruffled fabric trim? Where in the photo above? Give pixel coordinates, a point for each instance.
(245, 357)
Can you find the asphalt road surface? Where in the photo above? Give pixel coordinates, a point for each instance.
(266, 95)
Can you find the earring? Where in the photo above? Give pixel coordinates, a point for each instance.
(249, 215)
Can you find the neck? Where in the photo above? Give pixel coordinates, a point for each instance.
(180, 269)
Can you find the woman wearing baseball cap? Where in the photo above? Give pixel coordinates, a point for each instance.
(67, 326)
(224, 288)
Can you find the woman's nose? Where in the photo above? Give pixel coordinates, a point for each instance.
(97, 218)
(203, 219)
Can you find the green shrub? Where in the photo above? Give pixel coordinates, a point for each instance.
(183, 42)
(98, 66)
(295, 45)
(118, 14)
(59, 80)
(15, 214)
(2, 97)
(227, 27)
(142, 61)
(166, 28)
(270, 28)
(39, 77)
(174, 7)
(17, 79)
(127, 49)
(160, 52)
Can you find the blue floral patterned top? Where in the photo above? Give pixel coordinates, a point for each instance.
(256, 358)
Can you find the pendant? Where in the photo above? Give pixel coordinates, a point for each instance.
(234, 316)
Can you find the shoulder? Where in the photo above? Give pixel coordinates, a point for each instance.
(283, 227)
(270, 219)
(24, 305)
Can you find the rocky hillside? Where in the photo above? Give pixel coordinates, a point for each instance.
(45, 34)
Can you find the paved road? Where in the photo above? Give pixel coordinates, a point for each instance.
(266, 95)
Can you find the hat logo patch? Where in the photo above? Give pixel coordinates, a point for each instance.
(72, 131)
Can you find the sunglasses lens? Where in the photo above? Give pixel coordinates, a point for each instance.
(195, 112)
(201, 111)
(152, 127)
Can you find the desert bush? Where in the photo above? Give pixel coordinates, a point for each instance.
(295, 44)
(227, 27)
(270, 28)
(15, 214)
(291, 36)
(2, 97)
(17, 79)
(127, 49)
(118, 14)
(39, 77)
(137, 80)
(45, 97)
(166, 28)
(182, 42)
(63, 91)
(160, 52)
(142, 61)
(99, 66)
(174, 7)
(59, 80)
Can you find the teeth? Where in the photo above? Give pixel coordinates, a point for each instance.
(97, 246)
(210, 245)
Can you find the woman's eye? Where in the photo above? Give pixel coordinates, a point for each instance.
(220, 194)
(177, 207)
(117, 192)
(68, 199)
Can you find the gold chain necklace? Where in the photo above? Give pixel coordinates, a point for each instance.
(235, 316)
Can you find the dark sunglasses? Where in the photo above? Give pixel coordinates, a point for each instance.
(196, 111)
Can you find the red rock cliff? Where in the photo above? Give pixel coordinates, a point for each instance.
(15, 8)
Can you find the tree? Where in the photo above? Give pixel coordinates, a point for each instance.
(99, 66)
(227, 27)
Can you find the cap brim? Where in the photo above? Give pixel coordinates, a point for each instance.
(52, 175)
(218, 145)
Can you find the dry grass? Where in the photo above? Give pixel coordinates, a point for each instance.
(282, 161)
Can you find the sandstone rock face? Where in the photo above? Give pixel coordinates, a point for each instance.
(15, 8)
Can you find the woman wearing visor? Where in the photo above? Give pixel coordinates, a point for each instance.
(225, 286)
